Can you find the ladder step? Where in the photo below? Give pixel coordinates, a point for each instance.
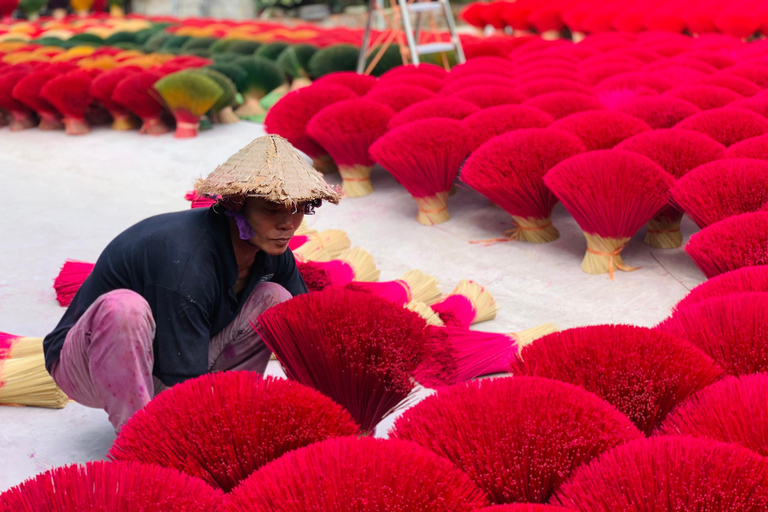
(425, 7)
(426, 49)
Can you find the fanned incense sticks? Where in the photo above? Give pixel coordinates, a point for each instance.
(490, 122)
(745, 279)
(413, 286)
(69, 280)
(352, 265)
(319, 246)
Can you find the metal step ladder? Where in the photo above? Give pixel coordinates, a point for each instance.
(413, 30)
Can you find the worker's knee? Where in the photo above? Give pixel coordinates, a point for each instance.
(124, 308)
(272, 292)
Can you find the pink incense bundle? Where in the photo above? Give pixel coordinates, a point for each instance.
(455, 86)
(429, 82)
(357, 83)
(28, 91)
(222, 427)
(735, 83)
(196, 200)
(752, 71)
(346, 129)
(745, 279)
(757, 104)
(114, 486)
(409, 69)
(599, 71)
(424, 157)
(319, 246)
(524, 507)
(70, 94)
(490, 122)
(669, 474)
(356, 348)
(102, 88)
(755, 147)
(398, 96)
(532, 75)
(721, 189)
(677, 152)
(449, 108)
(469, 303)
(731, 411)
(562, 104)
(549, 85)
(13, 347)
(601, 129)
(352, 265)
(706, 97)
(289, 117)
(413, 286)
(642, 372)
(732, 243)
(456, 354)
(23, 117)
(509, 170)
(611, 195)
(729, 328)
(640, 82)
(726, 125)
(364, 475)
(486, 96)
(518, 438)
(69, 280)
(135, 94)
(658, 111)
(492, 65)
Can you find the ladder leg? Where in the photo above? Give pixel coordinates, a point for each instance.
(417, 28)
(406, 20)
(366, 37)
(460, 59)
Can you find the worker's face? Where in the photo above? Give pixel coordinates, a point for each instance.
(274, 224)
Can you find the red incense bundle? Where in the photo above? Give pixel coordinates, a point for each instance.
(706, 97)
(346, 129)
(135, 94)
(356, 348)
(116, 486)
(352, 265)
(757, 104)
(431, 83)
(69, 280)
(524, 507)
(731, 411)
(562, 104)
(509, 170)
(610, 194)
(488, 123)
(721, 189)
(640, 82)
(642, 372)
(677, 152)
(755, 147)
(319, 246)
(357, 83)
(455, 86)
(601, 129)
(658, 111)
(745, 279)
(13, 347)
(102, 88)
(752, 71)
(424, 157)
(726, 125)
(732, 243)
(28, 89)
(222, 427)
(289, 117)
(492, 65)
(357, 474)
(594, 73)
(486, 96)
(729, 328)
(198, 201)
(449, 108)
(23, 117)
(398, 97)
(70, 94)
(456, 354)
(669, 473)
(549, 85)
(469, 303)
(422, 69)
(413, 286)
(736, 84)
(525, 437)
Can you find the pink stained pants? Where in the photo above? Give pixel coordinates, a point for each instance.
(107, 359)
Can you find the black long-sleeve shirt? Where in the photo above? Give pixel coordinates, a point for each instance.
(184, 265)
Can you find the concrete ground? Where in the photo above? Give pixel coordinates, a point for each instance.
(67, 197)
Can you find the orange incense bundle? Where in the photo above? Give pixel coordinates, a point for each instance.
(346, 130)
(601, 129)
(488, 123)
(509, 170)
(424, 157)
(22, 116)
(102, 88)
(70, 94)
(69, 280)
(398, 97)
(135, 94)
(732, 243)
(563, 104)
(352, 265)
(319, 246)
(726, 125)
(449, 108)
(611, 194)
(413, 286)
(469, 303)
(12, 346)
(677, 152)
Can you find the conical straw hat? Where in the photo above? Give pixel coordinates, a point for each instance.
(270, 168)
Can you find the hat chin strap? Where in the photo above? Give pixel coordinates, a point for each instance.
(244, 230)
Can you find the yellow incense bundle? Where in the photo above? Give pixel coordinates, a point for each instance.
(25, 381)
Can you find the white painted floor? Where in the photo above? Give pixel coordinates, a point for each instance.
(67, 197)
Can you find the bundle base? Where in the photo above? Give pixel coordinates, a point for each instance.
(252, 107)
(124, 123)
(74, 126)
(22, 121)
(300, 83)
(433, 210)
(357, 180)
(227, 116)
(603, 255)
(153, 126)
(664, 232)
(533, 230)
(50, 122)
(186, 130)
(324, 164)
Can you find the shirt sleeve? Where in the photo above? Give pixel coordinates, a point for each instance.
(182, 338)
(288, 275)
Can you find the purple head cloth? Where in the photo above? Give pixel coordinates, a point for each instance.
(244, 229)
